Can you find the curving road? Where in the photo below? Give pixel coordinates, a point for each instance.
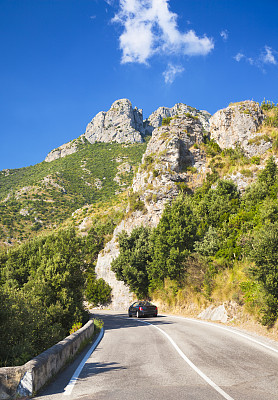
(169, 357)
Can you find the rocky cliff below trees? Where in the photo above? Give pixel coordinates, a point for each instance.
(164, 171)
(175, 160)
(179, 148)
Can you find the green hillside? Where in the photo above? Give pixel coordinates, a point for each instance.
(42, 196)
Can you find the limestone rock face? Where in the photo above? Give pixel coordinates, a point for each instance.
(164, 167)
(121, 124)
(62, 151)
(169, 155)
(225, 312)
(238, 125)
(155, 119)
(124, 124)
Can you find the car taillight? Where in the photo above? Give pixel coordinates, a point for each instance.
(140, 308)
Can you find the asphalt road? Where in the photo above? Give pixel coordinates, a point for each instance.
(167, 358)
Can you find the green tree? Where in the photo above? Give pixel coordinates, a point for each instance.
(269, 173)
(263, 251)
(42, 285)
(98, 292)
(210, 243)
(172, 241)
(131, 264)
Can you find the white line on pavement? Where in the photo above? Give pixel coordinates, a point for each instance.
(229, 329)
(190, 363)
(70, 386)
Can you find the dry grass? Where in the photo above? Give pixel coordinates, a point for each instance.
(189, 302)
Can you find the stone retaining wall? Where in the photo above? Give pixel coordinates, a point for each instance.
(27, 379)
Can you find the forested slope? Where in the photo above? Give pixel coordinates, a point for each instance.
(42, 196)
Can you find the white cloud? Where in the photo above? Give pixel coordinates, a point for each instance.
(239, 56)
(171, 72)
(268, 56)
(151, 28)
(249, 60)
(224, 34)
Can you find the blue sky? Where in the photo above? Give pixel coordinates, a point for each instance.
(63, 61)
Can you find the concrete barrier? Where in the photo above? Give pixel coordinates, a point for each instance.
(27, 379)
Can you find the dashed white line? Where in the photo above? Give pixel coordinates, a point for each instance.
(70, 386)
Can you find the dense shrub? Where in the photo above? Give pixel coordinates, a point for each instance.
(263, 251)
(98, 292)
(166, 121)
(131, 264)
(42, 285)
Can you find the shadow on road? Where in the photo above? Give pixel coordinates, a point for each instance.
(121, 320)
(94, 368)
(111, 321)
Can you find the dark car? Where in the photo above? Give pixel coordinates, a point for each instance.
(142, 309)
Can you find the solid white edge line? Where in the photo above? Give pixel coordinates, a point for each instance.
(70, 386)
(228, 329)
(190, 363)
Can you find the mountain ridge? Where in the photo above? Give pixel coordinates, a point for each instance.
(81, 173)
(124, 124)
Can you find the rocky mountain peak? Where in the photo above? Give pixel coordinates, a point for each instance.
(124, 124)
(238, 125)
(155, 119)
(121, 124)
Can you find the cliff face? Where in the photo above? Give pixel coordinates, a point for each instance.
(239, 125)
(62, 151)
(164, 168)
(155, 119)
(124, 124)
(121, 124)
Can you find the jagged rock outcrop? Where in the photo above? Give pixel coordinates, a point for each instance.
(121, 124)
(168, 157)
(225, 312)
(164, 169)
(124, 124)
(155, 119)
(239, 125)
(62, 151)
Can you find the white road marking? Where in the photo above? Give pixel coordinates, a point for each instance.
(190, 363)
(70, 386)
(229, 330)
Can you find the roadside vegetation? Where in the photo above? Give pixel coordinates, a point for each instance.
(43, 284)
(215, 244)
